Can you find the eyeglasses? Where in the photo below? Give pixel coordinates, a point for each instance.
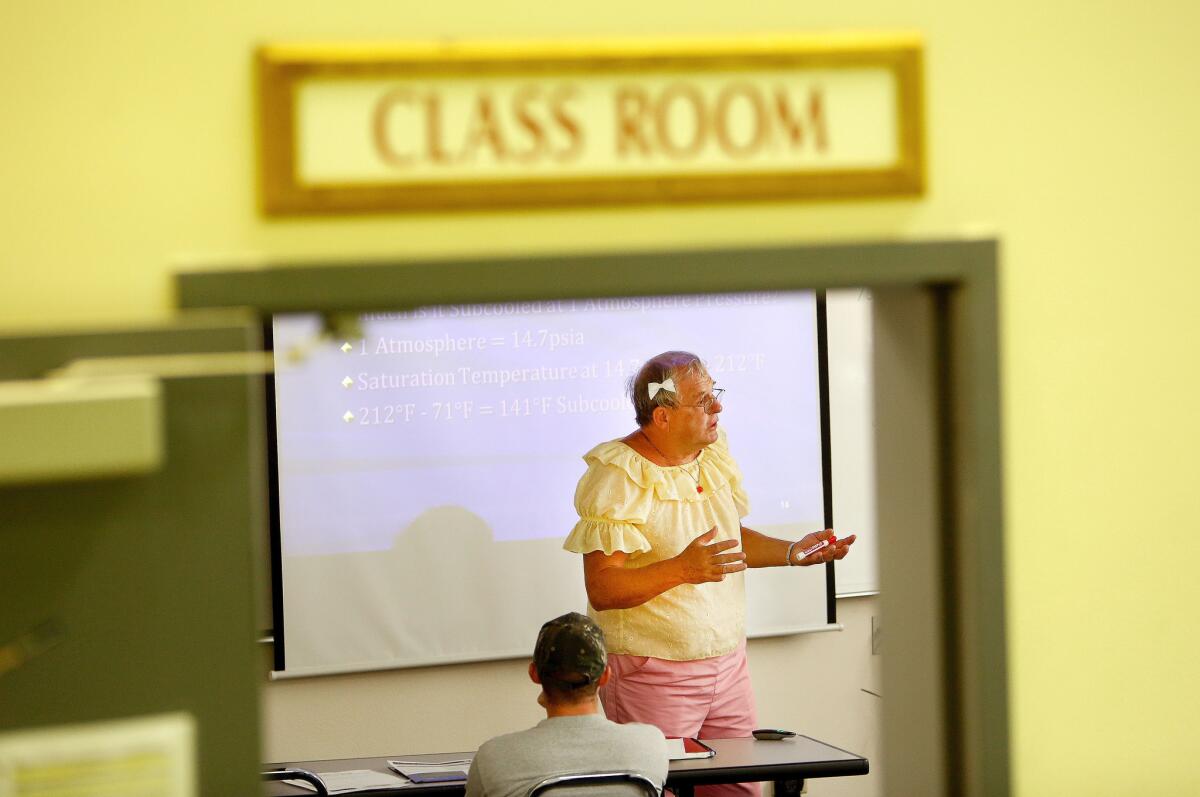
(708, 401)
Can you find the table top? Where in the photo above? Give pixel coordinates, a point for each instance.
(736, 761)
(739, 760)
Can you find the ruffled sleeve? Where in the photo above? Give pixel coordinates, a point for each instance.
(613, 499)
(726, 469)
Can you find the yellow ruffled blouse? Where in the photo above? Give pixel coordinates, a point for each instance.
(650, 512)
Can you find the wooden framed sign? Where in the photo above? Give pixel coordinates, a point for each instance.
(363, 128)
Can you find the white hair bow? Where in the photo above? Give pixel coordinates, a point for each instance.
(657, 386)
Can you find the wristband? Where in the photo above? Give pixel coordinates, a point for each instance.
(791, 562)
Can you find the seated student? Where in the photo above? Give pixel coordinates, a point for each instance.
(570, 663)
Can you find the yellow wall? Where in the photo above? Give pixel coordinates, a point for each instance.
(1068, 129)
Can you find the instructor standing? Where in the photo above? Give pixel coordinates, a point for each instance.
(663, 553)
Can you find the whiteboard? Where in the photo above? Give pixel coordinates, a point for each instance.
(426, 466)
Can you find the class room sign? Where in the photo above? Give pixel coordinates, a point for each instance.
(371, 128)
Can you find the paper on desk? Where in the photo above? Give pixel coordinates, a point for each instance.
(304, 784)
(405, 767)
(352, 780)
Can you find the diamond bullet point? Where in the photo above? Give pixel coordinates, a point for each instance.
(347, 382)
(346, 347)
(349, 416)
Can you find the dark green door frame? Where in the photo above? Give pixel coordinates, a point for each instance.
(938, 423)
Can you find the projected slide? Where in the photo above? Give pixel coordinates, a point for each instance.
(433, 460)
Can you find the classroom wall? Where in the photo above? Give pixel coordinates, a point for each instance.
(1066, 129)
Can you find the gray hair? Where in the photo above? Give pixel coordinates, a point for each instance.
(673, 365)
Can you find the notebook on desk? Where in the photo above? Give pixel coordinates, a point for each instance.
(679, 749)
(446, 771)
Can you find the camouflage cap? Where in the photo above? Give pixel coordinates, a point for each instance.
(570, 651)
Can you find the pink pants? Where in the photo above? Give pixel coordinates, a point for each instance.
(705, 698)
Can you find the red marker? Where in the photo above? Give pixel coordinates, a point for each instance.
(812, 549)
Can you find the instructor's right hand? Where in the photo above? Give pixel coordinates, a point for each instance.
(703, 560)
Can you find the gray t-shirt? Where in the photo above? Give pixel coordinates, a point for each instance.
(510, 765)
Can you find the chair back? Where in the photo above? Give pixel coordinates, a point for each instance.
(600, 784)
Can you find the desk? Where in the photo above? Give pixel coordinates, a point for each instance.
(736, 761)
